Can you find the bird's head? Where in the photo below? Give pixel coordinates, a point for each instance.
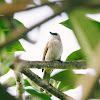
(55, 35)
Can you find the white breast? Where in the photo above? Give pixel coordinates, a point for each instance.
(55, 50)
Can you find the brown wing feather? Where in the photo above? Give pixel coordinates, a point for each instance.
(45, 51)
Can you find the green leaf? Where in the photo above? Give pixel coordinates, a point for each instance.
(15, 46)
(2, 36)
(4, 70)
(86, 30)
(4, 24)
(8, 23)
(26, 82)
(5, 28)
(2, 1)
(35, 86)
(18, 23)
(67, 24)
(10, 82)
(38, 96)
(5, 65)
(67, 79)
(63, 87)
(76, 55)
(53, 82)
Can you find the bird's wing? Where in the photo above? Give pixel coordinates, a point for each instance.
(45, 51)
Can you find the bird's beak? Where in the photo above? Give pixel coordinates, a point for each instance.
(51, 33)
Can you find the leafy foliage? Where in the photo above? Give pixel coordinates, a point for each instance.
(67, 24)
(77, 55)
(5, 64)
(86, 30)
(96, 91)
(38, 96)
(26, 82)
(5, 28)
(10, 82)
(15, 46)
(67, 79)
(7, 24)
(90, 27)
(2, 1)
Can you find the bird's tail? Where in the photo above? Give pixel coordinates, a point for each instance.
(46, 75)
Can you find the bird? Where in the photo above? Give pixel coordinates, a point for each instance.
(52, 52)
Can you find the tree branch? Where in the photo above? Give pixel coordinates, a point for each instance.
(45, 85)
(6, 9)
(54, 64)
(25, 65)
(20, 32)
(11, 8)
(29, 40)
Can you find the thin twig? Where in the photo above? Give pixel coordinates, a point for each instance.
(45, 85)
(47, 3)
(29, 40)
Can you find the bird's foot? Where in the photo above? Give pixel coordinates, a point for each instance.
(59, 61)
